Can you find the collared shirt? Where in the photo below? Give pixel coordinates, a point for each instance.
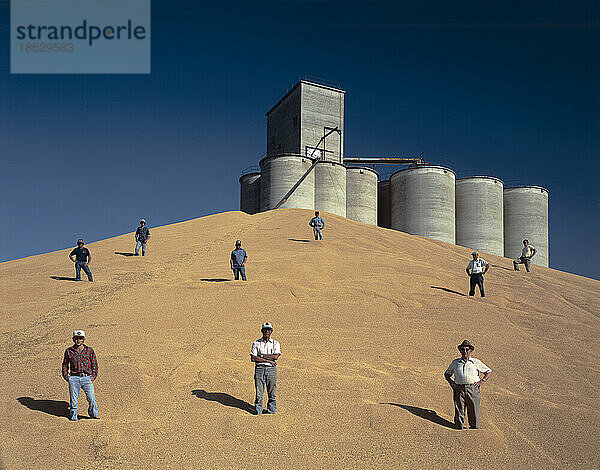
(80, 361)
(476, 265)
(466, 373)
(527, 250)
(142, 233)
(81, 254)
(261, 347)
(317, 222)
(238, 257)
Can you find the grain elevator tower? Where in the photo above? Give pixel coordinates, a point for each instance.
(299, 122)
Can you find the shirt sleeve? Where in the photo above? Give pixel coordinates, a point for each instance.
(72, 252)
(245, 254)
(470, 265)
(276, 347)
(485, 263)
(232, 256)
(254, 349)
(481, 367)
(65, 365)
(94, 363)
(450, 369)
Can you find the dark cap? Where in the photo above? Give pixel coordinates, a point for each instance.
(238, 242)
(466, 344)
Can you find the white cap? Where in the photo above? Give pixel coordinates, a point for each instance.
(79, 333)
(143, 220)
(474, 253)
(266, 325)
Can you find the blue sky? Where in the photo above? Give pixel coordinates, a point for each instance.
(501, 89)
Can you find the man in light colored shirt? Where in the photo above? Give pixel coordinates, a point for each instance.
(264, 353)
(318, 224)
(466, 385)
(527, 253)
(476, 268)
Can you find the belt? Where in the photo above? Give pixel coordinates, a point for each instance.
(80, 374)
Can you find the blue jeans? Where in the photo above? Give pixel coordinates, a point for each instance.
(238, 271)
(137, 248)
(75, 384)
(318, 233)
(79, 265)
(265, 376)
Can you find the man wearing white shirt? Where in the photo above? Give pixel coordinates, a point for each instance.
(264, 353)
(527, 253)
(476, 268)
(466, 385)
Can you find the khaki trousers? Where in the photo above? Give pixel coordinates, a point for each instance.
(466, 396)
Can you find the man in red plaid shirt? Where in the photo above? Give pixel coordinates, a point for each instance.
(81, 360)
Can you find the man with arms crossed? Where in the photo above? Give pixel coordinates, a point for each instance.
(264, 353)
(466, 385)
(81, 360)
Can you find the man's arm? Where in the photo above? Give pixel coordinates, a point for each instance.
(487, 266)
(484, 378)
(448, 377)
(65, 366)
(89, 260)
(72, 256)
(94, 362)
(534, 252)
(259, 359)
(468, 273)
(244, 262)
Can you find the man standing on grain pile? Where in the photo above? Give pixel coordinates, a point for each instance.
(527, 253)
(80, 369)
(466, 385)
(264, 353)
(318, 224)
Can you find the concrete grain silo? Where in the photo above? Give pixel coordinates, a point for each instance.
(330, 187)
(423, 202)
(250, 193)
(361, 195)
(279, 173)
(479, 214)
(299, 121)
(526, 217)
(384, 202)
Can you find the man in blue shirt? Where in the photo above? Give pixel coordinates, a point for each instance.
(318, 224)
(142, 235)
(238, 261)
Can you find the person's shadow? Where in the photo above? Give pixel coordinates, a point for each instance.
(122, 253)
(51, 407)
(429, 415)
(299, 240)
(62, 278)
(217, 279)
(445, 289)
(224, 399)
(501, 267)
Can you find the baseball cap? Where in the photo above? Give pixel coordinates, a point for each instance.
(143, 220)
(266, 325)
(80, 241)
(474, 253)
(79, 333)
(238, 242)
